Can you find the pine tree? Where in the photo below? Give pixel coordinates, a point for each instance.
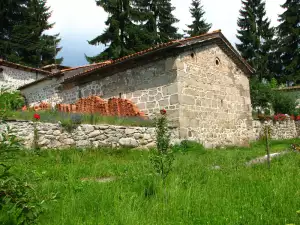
(121, 35)
(28, 43)
(159, 20)
(256, 37)
(289, 41)
(39, 49)
(12, 13)
(199, 25)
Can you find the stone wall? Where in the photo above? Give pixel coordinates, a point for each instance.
(54, 136)
(214, 98)
(287, 129)
(12, 79)
(45, 91)
(151, 87)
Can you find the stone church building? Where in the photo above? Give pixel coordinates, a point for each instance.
(201, 81)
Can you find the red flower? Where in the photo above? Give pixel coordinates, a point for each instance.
(163, 112)
(36, 116)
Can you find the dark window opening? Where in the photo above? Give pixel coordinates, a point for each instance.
(120, 95)
(192, 55)
(218, 61)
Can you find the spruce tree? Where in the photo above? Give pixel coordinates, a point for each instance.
(289, 41)
(159, 20)
(199, 25)
(256, 37)
(12, 13)
(121, 34)
(22, 38)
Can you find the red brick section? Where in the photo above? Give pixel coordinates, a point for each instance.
(94, 104)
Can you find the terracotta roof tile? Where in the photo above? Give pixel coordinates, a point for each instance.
(22, 67)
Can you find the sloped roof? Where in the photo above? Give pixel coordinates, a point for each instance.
(55, 66)
(215, 35)
(66, 72)
(22, 67)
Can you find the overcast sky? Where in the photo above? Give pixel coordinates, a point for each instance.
(80, 20)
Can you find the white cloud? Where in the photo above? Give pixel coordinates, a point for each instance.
(80, 20)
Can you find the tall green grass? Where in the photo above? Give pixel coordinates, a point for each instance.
(197, 192)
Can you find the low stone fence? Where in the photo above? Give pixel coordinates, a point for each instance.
(286, 129)
(55, 136)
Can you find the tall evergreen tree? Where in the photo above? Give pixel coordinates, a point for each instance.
(199, 25)
(134, 25)
(122, 36)
(256, 37)
(28, 43)
(289, 41)
(12, 14)
(159, 20)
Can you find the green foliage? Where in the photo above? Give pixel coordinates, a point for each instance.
(186, 146)
(284, 103)
(289, 42)
(9, 143)
(199, 25)
(134, 25)
(70, 124)
(11, 100)
(256, 38)
(261, 94)
(121, 35)
(18, 203)
(273, 83)
(22, 38)
(197, 193)
(162, 158)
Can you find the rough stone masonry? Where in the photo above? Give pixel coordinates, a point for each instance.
(202, 82)
(93, 136)
(55, 136)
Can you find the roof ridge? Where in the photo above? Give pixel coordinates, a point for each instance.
(144, 51)
(88, 65)
(8, 63)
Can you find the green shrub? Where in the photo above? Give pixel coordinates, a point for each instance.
(261, 94)
(187, 146)
(18, 202)
(162, 158)
(11, 100)
(284, 103)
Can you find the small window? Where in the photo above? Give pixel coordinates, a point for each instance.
(1, 69)
(218, 62)
(120, 95)
(192, 55)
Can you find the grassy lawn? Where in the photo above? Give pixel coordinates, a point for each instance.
(195, 193)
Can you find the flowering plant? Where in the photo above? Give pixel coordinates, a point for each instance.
(280, 117)
(163, 112)
(36, 116)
